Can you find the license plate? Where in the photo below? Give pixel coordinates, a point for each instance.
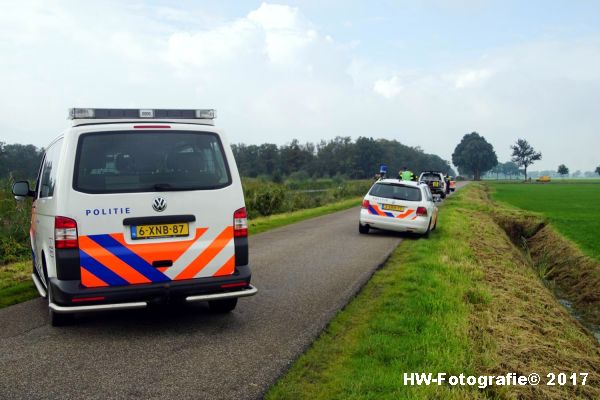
(391, 207)
(159, 231)
(436, 184)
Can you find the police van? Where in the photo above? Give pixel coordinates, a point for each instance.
(138, 206)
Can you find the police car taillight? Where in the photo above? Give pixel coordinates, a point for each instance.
(365, 204)
(240, 223)
(65, 233)
(421, 212)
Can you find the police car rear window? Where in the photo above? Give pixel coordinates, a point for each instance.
(431, 177)
(126, 161)
(397, 192)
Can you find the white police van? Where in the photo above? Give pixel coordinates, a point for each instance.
(133, 207)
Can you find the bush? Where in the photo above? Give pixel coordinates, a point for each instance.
(14, 226)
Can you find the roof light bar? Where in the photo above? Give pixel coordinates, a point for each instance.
(134, 113)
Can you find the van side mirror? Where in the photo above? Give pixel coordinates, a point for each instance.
(21, 189)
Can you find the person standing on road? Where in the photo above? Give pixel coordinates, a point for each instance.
(406, 175)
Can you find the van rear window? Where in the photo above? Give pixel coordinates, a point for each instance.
(126, 161)
(398, 192)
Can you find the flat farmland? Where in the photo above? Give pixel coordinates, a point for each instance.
(572, 208)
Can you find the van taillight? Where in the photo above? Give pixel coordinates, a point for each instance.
(421, 212)
(240, 223)
(65, 233)
(365, 204)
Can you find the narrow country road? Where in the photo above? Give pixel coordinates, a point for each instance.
(305, 273)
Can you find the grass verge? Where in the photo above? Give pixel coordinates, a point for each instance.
(15, 278)
(15, 283)
(463, 301)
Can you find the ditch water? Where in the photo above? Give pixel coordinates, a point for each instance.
(593, 328)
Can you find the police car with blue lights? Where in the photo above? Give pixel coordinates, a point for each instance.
(133, 207)
(398, 205)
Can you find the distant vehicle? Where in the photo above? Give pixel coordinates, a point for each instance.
(544, 179)
(402, 206)
(436, 182)
(133, 207)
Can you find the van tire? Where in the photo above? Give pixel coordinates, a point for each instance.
(222, 306)
(364, 229)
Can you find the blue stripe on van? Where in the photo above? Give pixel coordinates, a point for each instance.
(94, 267)
(130, 258)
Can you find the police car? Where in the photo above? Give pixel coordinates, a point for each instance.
(402, 206)
(138, 206)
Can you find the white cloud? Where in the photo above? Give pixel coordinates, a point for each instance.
(278, 31)
(471, 78)
(388, 88)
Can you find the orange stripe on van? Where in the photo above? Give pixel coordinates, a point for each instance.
(208, 254)
(111, 261)
(90, 280)
(227, 268)
(151, 252)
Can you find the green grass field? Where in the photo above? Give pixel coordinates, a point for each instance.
(571, 207)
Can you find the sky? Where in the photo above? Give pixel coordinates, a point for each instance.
(424, 73)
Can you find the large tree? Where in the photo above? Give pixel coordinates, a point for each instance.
(524, 154)
(474, 155)
(597, 170)
(563, 170)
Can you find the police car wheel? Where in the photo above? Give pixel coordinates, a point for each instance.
(426, 234)
(222, 306)
(364, 229)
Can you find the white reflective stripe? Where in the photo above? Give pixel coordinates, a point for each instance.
(217, 262)
(193, 252)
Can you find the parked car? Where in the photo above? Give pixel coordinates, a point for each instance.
(402, 206)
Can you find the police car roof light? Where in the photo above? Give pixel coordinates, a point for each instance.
(134, 113)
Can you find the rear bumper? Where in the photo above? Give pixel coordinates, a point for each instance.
(68, 296)
(418, 225)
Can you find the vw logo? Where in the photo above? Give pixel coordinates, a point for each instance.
(159, 204)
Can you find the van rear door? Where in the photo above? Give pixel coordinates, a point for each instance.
(154, 205)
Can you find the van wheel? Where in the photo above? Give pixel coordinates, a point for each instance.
(364, 229)
(222, 306)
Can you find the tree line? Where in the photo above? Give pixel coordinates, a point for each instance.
(475, 157)
(357, 159)
(341, 156)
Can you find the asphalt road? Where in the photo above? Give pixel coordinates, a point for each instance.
(305, 272)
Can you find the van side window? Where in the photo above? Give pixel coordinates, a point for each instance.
(49, 170)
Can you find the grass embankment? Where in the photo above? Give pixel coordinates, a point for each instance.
(463, 301)
(573, 208)
(15, 279)
(15, 283)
